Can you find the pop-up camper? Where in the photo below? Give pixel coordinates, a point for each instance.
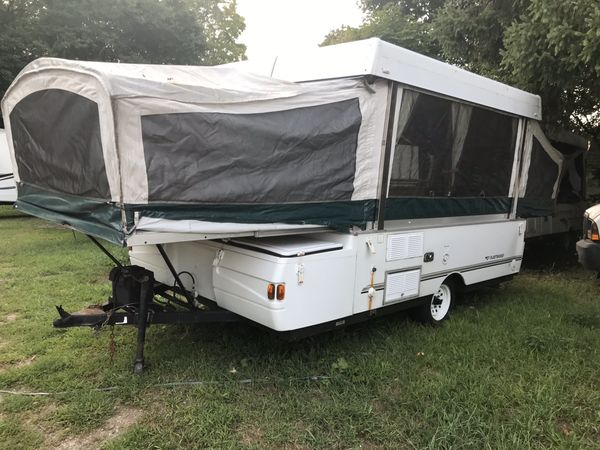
(351, 181)
(8, 190)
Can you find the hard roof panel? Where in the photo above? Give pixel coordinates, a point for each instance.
(385, 60)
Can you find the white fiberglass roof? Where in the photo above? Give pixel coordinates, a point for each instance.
(385, 60)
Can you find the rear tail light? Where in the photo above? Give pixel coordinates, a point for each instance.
(280, 291)
(271, 291)
(592, 231)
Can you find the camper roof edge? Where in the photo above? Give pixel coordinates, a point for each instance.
(382, 59)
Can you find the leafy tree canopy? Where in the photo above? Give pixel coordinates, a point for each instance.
(137, 31)
(550, 47)
(554, 50)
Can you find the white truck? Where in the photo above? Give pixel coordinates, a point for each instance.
(302, 195)
(588, 248)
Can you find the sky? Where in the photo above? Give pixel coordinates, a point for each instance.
(275, 26)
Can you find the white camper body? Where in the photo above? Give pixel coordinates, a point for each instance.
(8, 189)
(327, 276)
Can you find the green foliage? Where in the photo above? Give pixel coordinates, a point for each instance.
(422, 10)
(555, 50)
(142, 31)
(17, 48)
(393, 25)
(222, 26)
(549, 47)
(471, 34)
(121, 30)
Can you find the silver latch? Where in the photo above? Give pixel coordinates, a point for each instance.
(371, 246)
(300, 273)
(218, 257)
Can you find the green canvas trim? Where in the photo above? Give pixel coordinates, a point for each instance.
(430, 207)
(338, 215)
(97, 218)
(103, 219)
(535, 207)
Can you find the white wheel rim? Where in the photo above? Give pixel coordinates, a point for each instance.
(440, 302)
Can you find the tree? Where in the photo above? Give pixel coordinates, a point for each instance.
(222, 26)
(471, 33)
(17, 48)
(555, 50)
(141, 31)
(121, 30)
(393, 23)
(421, 10)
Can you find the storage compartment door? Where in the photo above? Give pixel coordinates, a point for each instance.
(401, 286)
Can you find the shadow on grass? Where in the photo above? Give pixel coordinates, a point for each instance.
(549, 256)
(10, 212)
(211, 351)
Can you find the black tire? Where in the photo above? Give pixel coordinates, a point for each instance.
(436, 309)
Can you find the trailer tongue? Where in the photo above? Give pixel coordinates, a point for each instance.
(135, 301)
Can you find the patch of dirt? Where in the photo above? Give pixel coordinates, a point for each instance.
(22, 363)
(10, 318)
(117, 424)
(39, 419)
(252, 437)
(564, 427)
(378, 406)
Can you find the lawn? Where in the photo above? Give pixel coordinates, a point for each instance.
(514, 367)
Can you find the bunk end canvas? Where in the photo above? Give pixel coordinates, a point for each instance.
(97, 146)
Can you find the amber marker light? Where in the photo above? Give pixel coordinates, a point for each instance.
(280, 291)
(271, 291)
(592, 232)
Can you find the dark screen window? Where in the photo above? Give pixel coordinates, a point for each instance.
(449, 149)
(542, 175)
(56, 136)
(485, 164)
(297, 155)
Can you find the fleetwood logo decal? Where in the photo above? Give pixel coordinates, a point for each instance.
(493, 257)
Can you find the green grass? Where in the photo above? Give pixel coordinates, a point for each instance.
(515, 367)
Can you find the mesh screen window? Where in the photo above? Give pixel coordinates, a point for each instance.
(449, 149)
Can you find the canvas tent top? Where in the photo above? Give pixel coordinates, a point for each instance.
(382, 59)
(125, 93)
(112, 148)
(99, 146)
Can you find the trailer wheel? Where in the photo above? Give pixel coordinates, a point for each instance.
(438, 307)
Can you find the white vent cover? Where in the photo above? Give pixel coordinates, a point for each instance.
(404, 246)
(402, 285)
